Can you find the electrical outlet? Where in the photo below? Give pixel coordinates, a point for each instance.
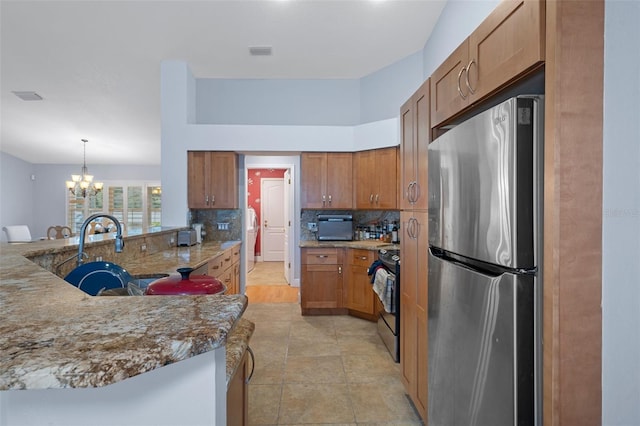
(143, 247)
(98, 258)
(172, 240)
(223, 226)
(312, 226)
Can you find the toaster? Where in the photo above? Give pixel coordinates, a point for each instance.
(187, 238)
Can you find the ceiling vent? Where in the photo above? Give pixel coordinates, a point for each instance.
(28, 96)
(260, 50)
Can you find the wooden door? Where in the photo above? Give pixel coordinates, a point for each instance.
(420, 259)
(358, 295)
(505, 45)
(197, 179)
(422, 139)
(223, 180)
(321, 287)
(238, 395)
(384, 172)
(339, 177)
(408, 294)
(407, 153)
(449, 93)
(363, 181)
(272, 214)
(313, 178)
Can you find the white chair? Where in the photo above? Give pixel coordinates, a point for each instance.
(17, 233)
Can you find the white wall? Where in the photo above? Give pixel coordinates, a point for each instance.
(189, 392)
(382, 92)
(457, 20)
(278, 102)
(40, 203)
(621, 216)
(178, 136)
(16, 192)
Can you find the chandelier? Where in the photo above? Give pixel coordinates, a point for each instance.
(82, 185)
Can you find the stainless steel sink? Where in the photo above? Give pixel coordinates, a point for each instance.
(136, 286)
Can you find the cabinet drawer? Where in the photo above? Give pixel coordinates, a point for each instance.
(227, 259)
(320, 257)
(236, 254)
(227, 279)
(360, 257)
(216, 265)
(323, 268)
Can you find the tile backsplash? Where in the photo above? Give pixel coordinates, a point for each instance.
(231, 221)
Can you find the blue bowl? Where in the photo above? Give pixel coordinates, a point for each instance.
(93, 277)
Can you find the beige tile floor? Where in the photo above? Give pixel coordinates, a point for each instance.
(322, 370)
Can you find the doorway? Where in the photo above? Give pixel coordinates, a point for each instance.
(275, 204)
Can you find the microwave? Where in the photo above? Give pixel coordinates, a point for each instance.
(335, 227)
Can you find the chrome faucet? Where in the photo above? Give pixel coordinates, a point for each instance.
(83, 231)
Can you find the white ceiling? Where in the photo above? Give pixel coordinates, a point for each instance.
(97, 63)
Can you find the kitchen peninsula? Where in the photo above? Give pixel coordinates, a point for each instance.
(70, 358)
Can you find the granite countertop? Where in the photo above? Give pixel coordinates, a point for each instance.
(53, 335)
(167, 261)
(362, 244)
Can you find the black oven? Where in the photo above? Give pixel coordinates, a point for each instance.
(389, 316)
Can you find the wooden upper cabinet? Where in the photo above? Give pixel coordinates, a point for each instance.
(507, 44)
(212, 180)
(447, 84)
(326, 180)
(340, 180)
(415, 119)
(197, 181)
(376, 178)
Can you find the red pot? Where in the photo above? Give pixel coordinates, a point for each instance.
(183, 284)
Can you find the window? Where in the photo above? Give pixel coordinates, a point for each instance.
(137, 205)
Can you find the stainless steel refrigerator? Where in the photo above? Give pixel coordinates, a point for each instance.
(485, 280)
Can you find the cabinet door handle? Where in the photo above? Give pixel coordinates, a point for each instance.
(253, 364)
(416, 191)
(324, 198)
(266, 224)
(213, 199)
(463, 69)
(371, 198)
(377, 198)
(207, 200)
(340, 269)
(473, 61)
(329, 199)
(321, 256)
(363, 257)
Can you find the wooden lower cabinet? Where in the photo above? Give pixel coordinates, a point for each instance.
(238, 395)
(226, 268)
(359, 296)
(413, 307)
(321, 281)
